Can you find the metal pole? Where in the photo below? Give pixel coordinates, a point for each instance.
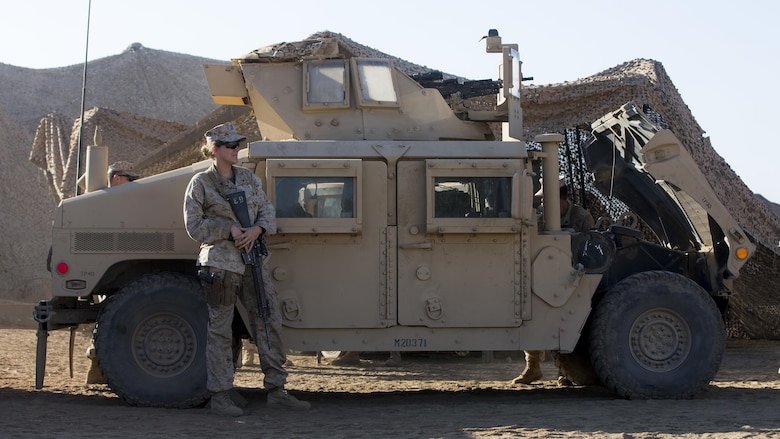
(550, 184)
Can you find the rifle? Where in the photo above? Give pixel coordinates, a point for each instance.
(237, 202)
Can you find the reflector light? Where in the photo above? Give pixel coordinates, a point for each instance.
(62, 268)
(742, 253)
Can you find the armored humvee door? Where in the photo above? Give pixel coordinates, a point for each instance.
(330, 255)
(458, 243)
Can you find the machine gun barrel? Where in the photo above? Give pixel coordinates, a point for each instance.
(451, 86)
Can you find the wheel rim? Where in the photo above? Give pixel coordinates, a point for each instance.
(660, 340)
(164, 345)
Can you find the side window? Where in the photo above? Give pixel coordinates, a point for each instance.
(315, 197)
(325, 85)
(475, 196)
(376, 83)
(472, 197)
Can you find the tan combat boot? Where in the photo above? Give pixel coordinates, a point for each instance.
(347, 358)
(279, 398)
(248, 353)
(394, 360)
(222, 405)
(533, 368)
(563, 381)
(237, 399)
(94, 375)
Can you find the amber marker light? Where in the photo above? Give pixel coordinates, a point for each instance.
(741, 253)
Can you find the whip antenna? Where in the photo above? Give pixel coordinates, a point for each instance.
(83, 99)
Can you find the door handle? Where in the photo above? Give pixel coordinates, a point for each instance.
(420, 245)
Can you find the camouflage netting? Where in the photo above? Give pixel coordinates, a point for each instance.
(25, 218)
(156, 146)
(127, 136)
(184, 149)
(548, 108)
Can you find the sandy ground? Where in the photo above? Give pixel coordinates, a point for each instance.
(429, 396)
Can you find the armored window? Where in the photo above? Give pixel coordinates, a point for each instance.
(512, 73)
(472, 197)
(376, 82)
(325, 85)
(315, 195)
(476, 196)
(509, 100)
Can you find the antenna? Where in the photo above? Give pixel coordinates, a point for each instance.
(83, 99)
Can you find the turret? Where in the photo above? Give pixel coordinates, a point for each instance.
(317, 90)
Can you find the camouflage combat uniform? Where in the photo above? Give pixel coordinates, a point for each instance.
(208, 218)
(577, 218)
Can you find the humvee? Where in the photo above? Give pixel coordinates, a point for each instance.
(405, 224)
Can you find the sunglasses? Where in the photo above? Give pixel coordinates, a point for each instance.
(229, 145)
(127, 177)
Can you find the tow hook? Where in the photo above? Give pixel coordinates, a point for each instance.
(42, 312)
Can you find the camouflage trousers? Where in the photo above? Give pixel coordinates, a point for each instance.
(221, 298)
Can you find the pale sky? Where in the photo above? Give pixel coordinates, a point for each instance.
(723, 56)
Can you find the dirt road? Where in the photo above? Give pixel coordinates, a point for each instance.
(429, 396)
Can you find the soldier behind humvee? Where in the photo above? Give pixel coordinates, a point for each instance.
(120, 173)
(573, 216)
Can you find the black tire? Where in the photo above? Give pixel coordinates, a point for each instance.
(656, 335)
(151, 342)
